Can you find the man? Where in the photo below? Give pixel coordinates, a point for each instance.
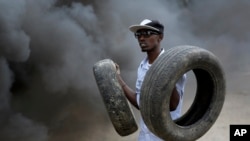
(149, 35)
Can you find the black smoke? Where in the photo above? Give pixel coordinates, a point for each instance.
(48, 48)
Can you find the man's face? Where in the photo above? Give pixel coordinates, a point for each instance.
(148, 40)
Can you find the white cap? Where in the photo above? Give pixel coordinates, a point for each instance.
(148, 24)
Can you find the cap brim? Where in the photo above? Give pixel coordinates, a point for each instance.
(135, 28)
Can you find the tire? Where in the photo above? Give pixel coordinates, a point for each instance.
(160, 81)
(118, 108)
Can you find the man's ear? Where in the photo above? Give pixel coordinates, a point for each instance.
(160, 37)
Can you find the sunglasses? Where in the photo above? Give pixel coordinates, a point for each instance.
(145, 34)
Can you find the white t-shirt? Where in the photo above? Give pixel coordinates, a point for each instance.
(145, 134)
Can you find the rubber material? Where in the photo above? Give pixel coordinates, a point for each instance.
(118, 108)
(160, 81)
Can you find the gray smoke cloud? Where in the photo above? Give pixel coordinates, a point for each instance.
(48, 48)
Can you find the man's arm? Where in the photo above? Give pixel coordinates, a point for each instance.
(130, 93)
(174, 100)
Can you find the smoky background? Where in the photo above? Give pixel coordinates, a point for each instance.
(48, 48)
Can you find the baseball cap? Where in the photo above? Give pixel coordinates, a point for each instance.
(148, 24)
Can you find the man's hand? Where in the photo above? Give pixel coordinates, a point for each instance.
(117, 68)
(130, 94)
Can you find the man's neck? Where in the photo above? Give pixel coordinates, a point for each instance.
(153, 55)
